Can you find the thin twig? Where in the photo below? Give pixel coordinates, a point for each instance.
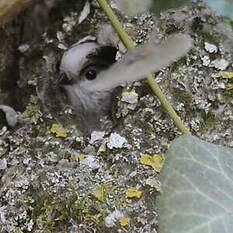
(154, 86)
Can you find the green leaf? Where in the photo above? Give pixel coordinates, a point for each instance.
(160, 6)
(197, 188)
(223, 7)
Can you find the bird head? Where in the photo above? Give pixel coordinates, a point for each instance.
(89, 73)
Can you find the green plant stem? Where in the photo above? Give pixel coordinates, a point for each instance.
(154, 86)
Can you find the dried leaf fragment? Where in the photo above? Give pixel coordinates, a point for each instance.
(133, 192)
(124, 222)
(59, 131)
(103, 146)
(155, 161)
(85, 12)
(230, 86)
(112, 218)
(227, 75)
(100, 193)
(77, 156)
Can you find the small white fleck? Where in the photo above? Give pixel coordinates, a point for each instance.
(86, 38)
(46, 39)
(130, 97)
(116, 141)
(219, 64)
(85, 12)
(23, 48)
(62, 46)
(205, 60)
(3, 211)
(97, 136)
(60, 36)
(30, 225)
(91, 162)
(180, 106)
(222, 85)
(3, 164)
(112, 218)
(211, 48)
(3, 131)
(69, 23)
(26, 161)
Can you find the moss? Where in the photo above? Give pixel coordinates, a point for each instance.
(17, 230)
(150, 199)
(230, 20)
(179, 63)
(208, 36)
(210, 120)
(32, 109)
(182, 96)
(231, 23)
(54, 212)
(227, 97)
(145, 125)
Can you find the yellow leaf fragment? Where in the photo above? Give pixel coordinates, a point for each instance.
(229, 86)
(227, 75)
(77, 156)
(58, 130)
(124, 222)
(103, 146)
(155, 161)
(133, 192)
(93, 218)
(100, 193)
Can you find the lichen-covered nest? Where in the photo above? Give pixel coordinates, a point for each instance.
(53, 179)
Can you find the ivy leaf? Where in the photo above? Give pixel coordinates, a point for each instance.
(160, 6)
(197, 188)
(133, 7)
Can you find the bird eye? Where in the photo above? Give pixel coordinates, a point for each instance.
(91, 74)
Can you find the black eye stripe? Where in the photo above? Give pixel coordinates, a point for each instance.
(87, 67)
(100, 59)
(104, 56)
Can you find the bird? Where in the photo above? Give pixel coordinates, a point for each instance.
(88, 73)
